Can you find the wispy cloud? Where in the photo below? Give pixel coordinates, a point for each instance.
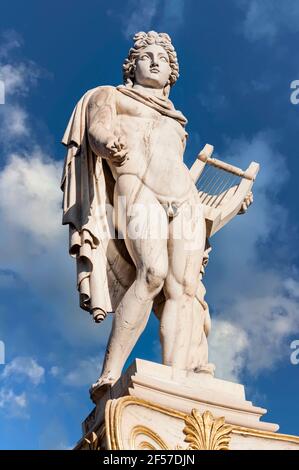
(13, 405)
(18, 77)
(142, 15)
(84, 372)
(17, 379)
(10, 41)
(24, 368)
(15, 123)
(268, 18)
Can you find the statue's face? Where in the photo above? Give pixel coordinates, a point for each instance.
(152, 67)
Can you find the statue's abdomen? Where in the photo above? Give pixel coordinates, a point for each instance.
(155, 151)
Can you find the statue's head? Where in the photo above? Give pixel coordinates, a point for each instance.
(152, 62)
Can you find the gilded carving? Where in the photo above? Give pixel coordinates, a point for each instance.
(204, 432)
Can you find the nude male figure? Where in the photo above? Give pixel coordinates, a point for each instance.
(144, 150)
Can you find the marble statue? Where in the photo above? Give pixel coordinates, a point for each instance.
(139, 225)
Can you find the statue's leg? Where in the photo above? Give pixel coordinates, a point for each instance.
(149, 253)
(185, 248)
(198, 350)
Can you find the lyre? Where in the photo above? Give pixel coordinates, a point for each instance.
(222, 187)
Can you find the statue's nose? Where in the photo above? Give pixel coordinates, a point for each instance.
(154, 63)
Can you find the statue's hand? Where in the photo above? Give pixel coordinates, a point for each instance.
(246, 203)
(118, 151)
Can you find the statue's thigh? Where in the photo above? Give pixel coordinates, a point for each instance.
(185, 251)
(147, 233)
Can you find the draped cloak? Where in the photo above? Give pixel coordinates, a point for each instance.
(104, 268)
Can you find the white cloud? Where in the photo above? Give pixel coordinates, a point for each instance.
(14, 123)
(20, 372)
(141, 16)
(256, 296)
(258, 333)
(55, 371)
(85, 372)
(292, 287)
(24, 368)
(10, 41)
(228, 345)
(30, 198)
(9, 399)
(268, 18)
(18, 78)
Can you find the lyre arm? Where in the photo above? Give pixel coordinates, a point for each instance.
(204, 157)
(201, 159)
(248, 174)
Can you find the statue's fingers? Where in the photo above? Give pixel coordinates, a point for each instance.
(122, 141)
(120, 157)
(120, 154)
(110, 144)
(118, 146)
(121, 161)
(124, 161)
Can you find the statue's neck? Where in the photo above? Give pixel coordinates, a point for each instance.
(157, 92)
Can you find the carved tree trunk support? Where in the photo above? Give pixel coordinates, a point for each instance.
(154, 407)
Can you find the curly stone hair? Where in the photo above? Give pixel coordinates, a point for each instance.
(142, 40)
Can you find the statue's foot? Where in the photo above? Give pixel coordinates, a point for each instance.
(100, 387)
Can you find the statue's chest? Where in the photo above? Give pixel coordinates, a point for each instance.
(126, 106)
(137, 119)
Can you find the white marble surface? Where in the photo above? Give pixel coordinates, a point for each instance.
(154, 391)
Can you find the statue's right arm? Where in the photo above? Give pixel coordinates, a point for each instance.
(102, 140)
(100, 114)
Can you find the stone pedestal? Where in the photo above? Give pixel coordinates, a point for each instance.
(156, 407)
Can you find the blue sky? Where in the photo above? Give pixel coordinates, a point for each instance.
(237, 61)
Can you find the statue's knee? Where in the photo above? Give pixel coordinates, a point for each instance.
(154, 278)
(190, 289)
(176, 290)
